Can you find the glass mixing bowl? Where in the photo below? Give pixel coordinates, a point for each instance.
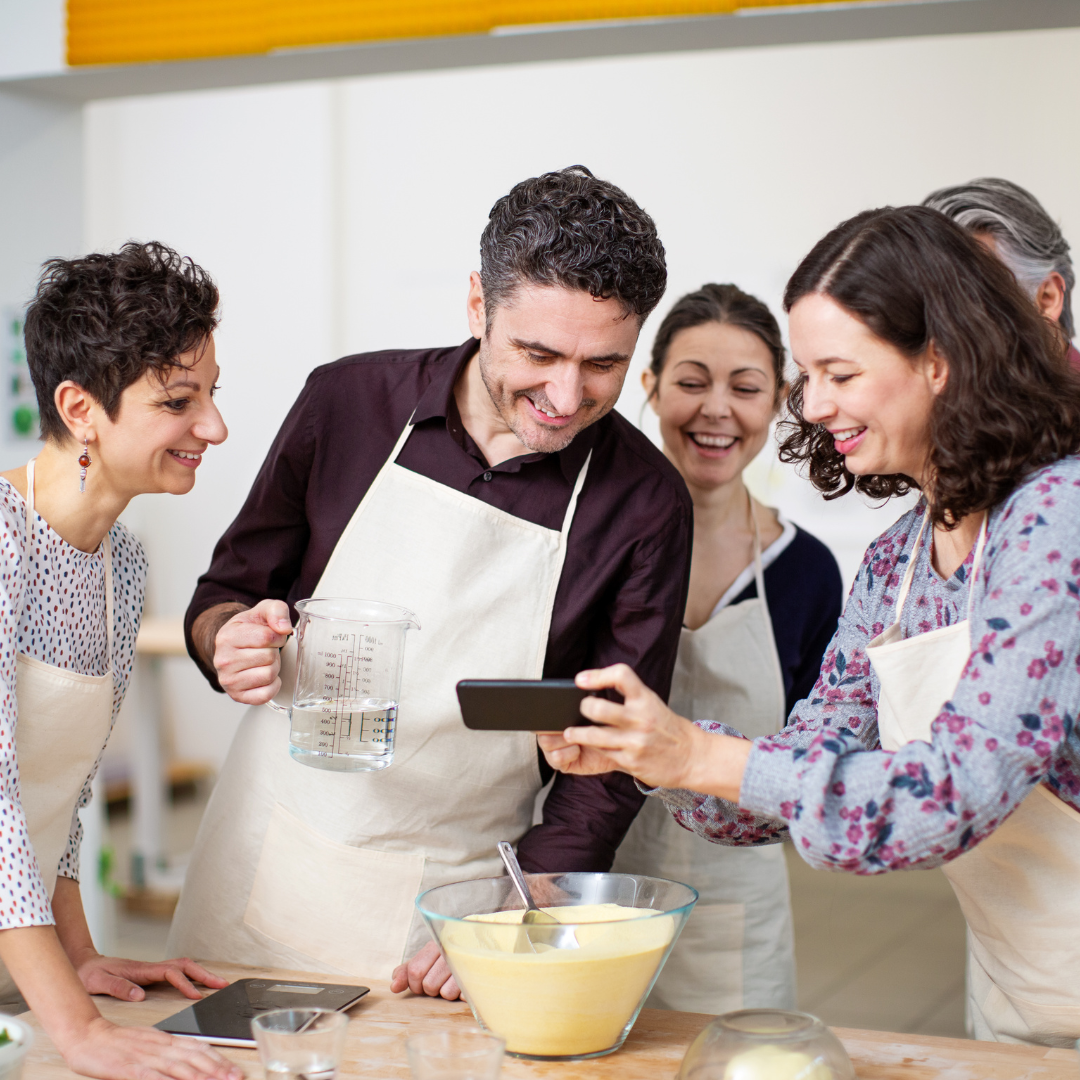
(561, 1004)
(766, 1044)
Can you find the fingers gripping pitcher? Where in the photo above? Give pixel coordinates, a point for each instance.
(348, 678)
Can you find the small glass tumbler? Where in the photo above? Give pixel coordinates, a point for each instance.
(470, 1054)
(300, 1044)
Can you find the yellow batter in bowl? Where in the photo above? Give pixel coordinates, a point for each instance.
(559, 1002)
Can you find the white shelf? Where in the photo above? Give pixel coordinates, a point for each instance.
(513, 45)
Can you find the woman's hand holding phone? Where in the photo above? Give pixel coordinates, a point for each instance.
(643, 737)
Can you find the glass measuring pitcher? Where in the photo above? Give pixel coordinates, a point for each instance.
(348, 678)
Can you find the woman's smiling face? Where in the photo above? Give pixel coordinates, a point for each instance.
(872, 399)
(162, 428)
(715, 397)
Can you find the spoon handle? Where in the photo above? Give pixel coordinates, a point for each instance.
(516, 876)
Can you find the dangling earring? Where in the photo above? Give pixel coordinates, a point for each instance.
(84, 464)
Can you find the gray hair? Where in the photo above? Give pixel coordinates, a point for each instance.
(1028, 240)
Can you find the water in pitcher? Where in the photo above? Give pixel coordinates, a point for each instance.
(343, 735)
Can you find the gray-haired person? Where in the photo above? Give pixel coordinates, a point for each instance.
(490, 488)
(1012, 223)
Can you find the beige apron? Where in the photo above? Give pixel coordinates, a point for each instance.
(737, 949)
(64, 719)
(1018, 888)
(300, 868)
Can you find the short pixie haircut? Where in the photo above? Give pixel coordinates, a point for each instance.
(1011, 403)
(103, 321)
(569, 229)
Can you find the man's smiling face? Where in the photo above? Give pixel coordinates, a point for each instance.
(553, 360)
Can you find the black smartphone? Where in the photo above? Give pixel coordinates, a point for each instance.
(225, 1016)
(520, 704)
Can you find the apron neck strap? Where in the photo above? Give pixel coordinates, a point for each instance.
(29, 494)
(976, 565)
(568, 517)
(403, 438)
(106, 548)
(578, 485)
(759, 570)
(905, 587)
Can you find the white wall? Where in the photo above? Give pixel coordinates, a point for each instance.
(344, 217)
(32, 37)
(41, 153)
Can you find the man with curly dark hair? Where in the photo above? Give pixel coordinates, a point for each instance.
(492, 489)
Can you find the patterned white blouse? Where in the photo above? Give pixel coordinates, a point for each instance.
(65, 628)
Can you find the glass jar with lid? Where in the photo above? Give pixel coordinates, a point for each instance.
(766, 1044)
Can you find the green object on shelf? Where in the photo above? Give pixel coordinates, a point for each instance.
(106, 865)
(23, 419)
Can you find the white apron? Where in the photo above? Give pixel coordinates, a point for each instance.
(64, 719)
(737, 949)
(300, 868)
(1018, 888)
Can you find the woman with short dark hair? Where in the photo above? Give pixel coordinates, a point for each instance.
(121, 351)
(941, 730)
(763, 603)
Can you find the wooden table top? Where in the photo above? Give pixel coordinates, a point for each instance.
(381, 1022)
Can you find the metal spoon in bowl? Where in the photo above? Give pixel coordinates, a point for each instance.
(542, 928)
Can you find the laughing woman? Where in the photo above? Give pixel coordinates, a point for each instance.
(942, 728)
(121, 351)
(763, 604)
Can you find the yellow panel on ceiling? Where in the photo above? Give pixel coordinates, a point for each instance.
(133, 31)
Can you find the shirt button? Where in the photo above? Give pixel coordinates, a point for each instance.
(487, 475)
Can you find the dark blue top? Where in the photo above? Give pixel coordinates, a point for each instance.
(804, 592)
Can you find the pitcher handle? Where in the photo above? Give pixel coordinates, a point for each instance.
(286, 709)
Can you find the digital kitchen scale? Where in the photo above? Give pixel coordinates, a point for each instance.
(225, 1016)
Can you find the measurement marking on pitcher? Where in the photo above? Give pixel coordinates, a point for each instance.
(344, 707)
(348, 720)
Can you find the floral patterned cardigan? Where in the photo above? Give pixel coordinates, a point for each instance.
(825, 783)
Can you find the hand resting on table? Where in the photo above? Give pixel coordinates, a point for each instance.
(426, 973)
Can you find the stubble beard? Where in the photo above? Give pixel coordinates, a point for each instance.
(538, 441)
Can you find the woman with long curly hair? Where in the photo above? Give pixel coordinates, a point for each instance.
(941, 730)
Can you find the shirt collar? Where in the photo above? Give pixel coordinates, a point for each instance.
(437, 401)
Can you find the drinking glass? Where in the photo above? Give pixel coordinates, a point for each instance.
(300, 1044)
(469, 1054)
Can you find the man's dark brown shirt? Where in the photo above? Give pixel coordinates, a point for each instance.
(623, 586)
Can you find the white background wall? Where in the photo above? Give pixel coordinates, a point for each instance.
(340, 217)
(31, 37)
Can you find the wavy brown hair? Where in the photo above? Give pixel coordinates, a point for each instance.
(1011, 403)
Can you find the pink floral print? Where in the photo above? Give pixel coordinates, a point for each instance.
(824, 781)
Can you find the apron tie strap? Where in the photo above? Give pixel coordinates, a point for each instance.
(106, 547)
(976, 566)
